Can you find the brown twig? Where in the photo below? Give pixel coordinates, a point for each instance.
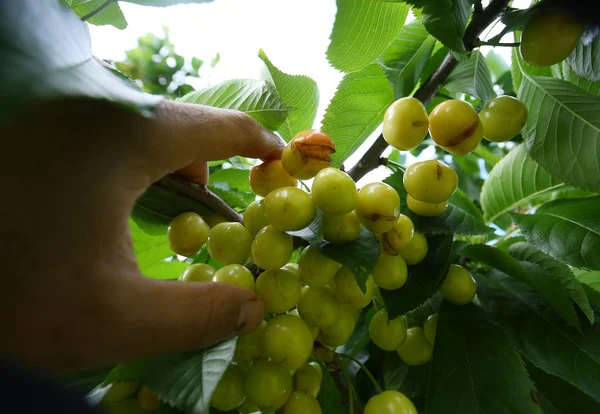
(202, 194)
(343, 389)
(427, 91)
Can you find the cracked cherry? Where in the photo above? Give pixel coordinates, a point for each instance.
(378, 207)
(455, 126)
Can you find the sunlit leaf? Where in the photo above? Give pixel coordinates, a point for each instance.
(513, 182)
(296, 91)
(356, 110)
(363, 29)
(568, 230)
(258, 99)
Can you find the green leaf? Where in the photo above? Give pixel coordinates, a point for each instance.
(472, 76)
(516, 20)
(423, 278)
(415, 383)
(459, 384)
(183, 380)
(394, 371)
(591, 284)
(296, 91)
(461, 216)
(170, 270)
(565, 72)
(51, 57)
(431, 306)
(500, 70)
(497, 259)
(235, 199)
(359, 340)
(564, 135)
(405, 59)
(329, 397)
(111, 15)
(585, 59)
(314, 232)
(360, 255)
(356, 110)
(540, 335)
(258, 99)
(148, 228)
(555, 282)
(165, 3)
(165, 204)
(149, 238)
(560, 396)
(446, 20)
(568, 230)
(513, 182)
(363, 29)
(552, 279)
(497, 65)
(235, 178)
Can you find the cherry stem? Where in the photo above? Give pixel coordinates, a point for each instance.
(351, 395)
(478, 42)
(365, 370)
(395, 166)
(487, 155)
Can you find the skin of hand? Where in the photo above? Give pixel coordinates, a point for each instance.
(72, 295)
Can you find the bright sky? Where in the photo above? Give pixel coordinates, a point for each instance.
(293, 33)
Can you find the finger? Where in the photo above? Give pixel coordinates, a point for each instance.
(185, 133)
(176, 316)
(196, 172)
(148, 318)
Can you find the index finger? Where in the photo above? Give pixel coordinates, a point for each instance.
(188, 133)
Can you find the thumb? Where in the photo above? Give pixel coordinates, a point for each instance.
(175, 316)
(182, 134)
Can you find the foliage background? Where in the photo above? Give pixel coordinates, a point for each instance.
(525, 219)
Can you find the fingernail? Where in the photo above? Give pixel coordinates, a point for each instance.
(251, 314)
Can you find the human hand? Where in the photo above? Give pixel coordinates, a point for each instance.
(72, 296)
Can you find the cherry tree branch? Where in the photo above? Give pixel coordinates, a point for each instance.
(481, 20)
(202, 194)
